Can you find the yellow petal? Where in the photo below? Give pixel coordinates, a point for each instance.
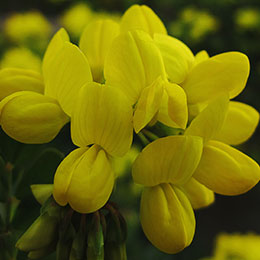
(32, 118)
(173, 110)
(225, 170)
(65, 75)
(177, 104)
(195, 109)
(163, 113)
(42, 192)
(240, 124)
(209, 122)
(133, 63)
(4, 101)
(148, 104)
(84, 180)
(64, 174)
(167, 218)
(141, 17)
(178, 58)
(55, 45)
(171, 159)
(198, 194)
(226, 72)
(14, 79)
(95, 42)
(201, 56)
(102, 115)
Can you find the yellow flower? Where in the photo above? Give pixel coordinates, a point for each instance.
(194, 23)
(76, 18)
(135, 66)
(103, 117)
(20, 57)
(201, 77)
(248, 18)
(237, 246)
(183, 172)
(165, 168)
(37, 114)
(25, 28)
(222, 168)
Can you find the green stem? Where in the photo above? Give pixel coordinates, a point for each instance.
(150, 135)
(143, 139)
(8, 172)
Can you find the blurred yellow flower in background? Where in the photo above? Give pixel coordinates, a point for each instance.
(248, 18)
(28, 28)
(21, 57)
(236, 247)
(195, 23)
(76, 18)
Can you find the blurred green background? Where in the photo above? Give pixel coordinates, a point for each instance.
(216, 26)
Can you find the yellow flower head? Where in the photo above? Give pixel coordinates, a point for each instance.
(148, 77)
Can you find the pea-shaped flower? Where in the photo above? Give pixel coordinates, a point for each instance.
(201, 77)
(222, 168)
(34, 109)
(165, 168)
(135, 66)
(102, 117)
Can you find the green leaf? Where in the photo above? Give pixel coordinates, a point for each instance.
(41, 172)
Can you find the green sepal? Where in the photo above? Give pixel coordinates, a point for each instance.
(42, 171)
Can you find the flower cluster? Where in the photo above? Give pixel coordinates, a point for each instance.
(131, 78)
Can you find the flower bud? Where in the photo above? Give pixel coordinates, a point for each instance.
(40, 234)
(36, 254)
